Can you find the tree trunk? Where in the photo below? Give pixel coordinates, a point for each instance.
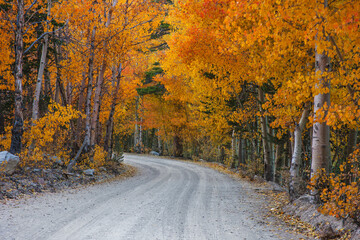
(160, 148)
(276, 162)
(321, 137)
(59, 88)
(351, 141)
(138, 132)
(80, 107)
(269, 169)
(178, 147)
(35, 108)
(235, 159)
(96, 107)
(86, 143)
(321, 131)
(17, 130)
(47, 82)
(241, 159)
(2, 122)
(110, 121)
(279, 162)
(89, 92)
(99, 85)
(296, 157)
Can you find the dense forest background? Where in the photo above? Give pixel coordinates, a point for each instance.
(270, 87)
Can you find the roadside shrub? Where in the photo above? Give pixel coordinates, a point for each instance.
(45, 140)
(339, 193)
(98, 159)
(5, 138)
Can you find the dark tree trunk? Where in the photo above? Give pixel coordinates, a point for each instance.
(351, 141)
(2, 123)
(268, 161)
(86, 143)
(17, 130)
(178, 147)
(240, 152)
(110, 121)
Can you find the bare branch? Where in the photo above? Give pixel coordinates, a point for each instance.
(29, 8)
(42, 35)
(8, 19)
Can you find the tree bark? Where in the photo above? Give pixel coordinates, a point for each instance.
(47, 81)
(35, 108)
(178, 147)
(321, 131)
(2, 123)
(268, 161)
(241, 158)
(233, 150)
(160, 148)
(85, 147)
(295, 178)
(351, 141)
(96, 107)
(110, 121)
(99, 85)
(87, 144)
(17, 131)
(59, 87)
(321, 158)
(138, 130)
(81, 102)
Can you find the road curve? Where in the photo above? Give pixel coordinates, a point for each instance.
(167, 200)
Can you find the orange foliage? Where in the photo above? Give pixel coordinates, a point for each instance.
(340, 192)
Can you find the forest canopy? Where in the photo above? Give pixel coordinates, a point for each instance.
(270, 87)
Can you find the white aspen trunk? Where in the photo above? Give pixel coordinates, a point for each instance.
(321, 138)
(321, 131)
(17, 131)
(89, 91)
(35, 108)
(296, 157)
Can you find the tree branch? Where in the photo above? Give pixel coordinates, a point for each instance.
(29, 8)
(42, 35)
(7, 18)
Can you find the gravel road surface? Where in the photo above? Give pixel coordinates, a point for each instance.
(167, 200)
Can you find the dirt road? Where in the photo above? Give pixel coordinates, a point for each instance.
(166, 200)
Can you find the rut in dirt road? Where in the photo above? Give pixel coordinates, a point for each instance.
(166, 200)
